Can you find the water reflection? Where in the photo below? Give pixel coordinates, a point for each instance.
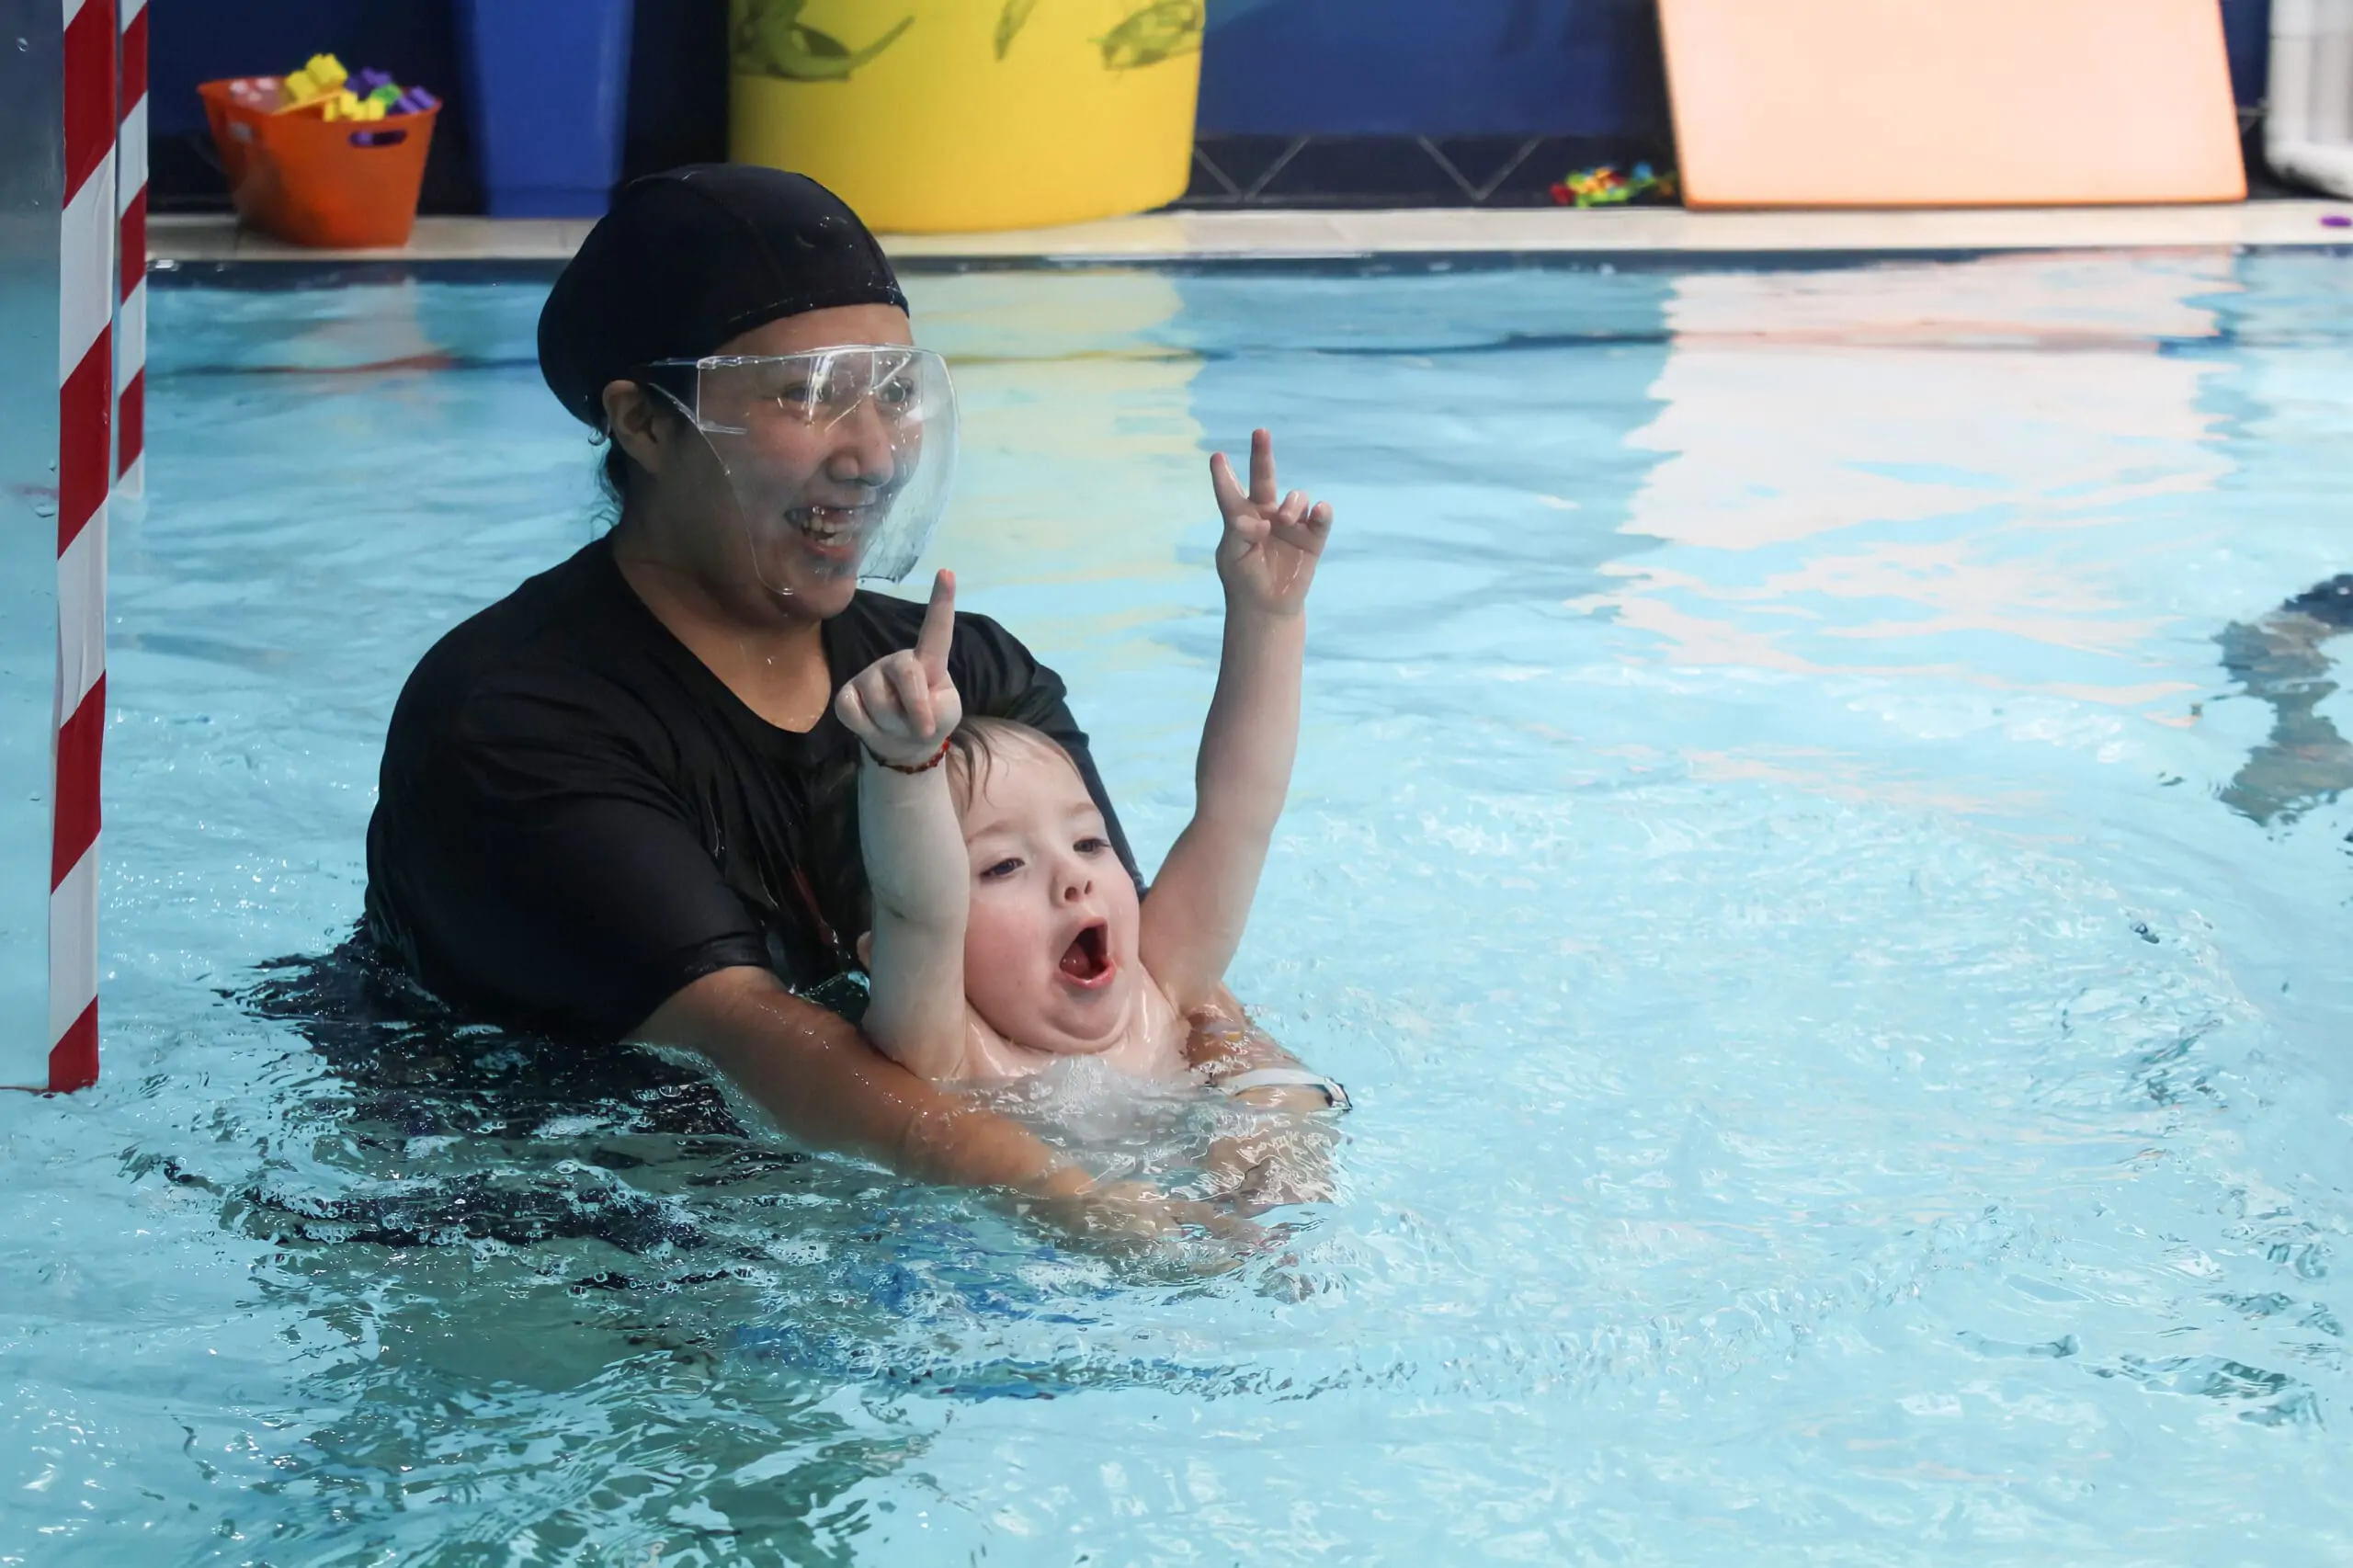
(1079, 466)
(1907, 471)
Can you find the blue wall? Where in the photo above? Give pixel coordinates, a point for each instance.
(2246, 33)
(1434, 67)
(1458, 67)
(678, 99)
(1270, 67)
(199, 41)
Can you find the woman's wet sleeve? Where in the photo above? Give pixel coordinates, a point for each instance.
(551, 878)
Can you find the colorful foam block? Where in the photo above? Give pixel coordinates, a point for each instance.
(349, 106)
(370, 94)
(320, 77)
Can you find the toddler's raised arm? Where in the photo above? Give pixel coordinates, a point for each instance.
(1200, 902)
(903, 708)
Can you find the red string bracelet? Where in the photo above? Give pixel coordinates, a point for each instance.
(910, 768)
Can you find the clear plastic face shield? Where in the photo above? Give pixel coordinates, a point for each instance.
(839, 459)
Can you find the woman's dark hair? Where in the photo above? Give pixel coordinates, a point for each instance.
(617, 470)
(2330, 603)
(612, 474)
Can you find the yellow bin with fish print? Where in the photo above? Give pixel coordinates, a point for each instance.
(941, 116)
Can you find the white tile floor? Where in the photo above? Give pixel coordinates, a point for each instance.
(1435, 230)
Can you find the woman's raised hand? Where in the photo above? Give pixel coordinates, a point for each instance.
(1268, 557)
(903, 707)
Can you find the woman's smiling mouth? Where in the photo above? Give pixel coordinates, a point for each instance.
(826, 524)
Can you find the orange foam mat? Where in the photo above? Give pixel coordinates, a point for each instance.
(1951, 103)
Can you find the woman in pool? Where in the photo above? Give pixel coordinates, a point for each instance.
(601, 806)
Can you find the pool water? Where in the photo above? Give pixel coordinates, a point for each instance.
(1840, 967)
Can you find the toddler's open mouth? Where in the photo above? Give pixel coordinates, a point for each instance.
(1087, 961)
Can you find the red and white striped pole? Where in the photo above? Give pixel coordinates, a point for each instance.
(130, 314)
(88, 284)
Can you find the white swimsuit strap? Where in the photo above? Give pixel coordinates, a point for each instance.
(1286, 1078)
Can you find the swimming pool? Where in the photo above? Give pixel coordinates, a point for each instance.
(1844, 1000)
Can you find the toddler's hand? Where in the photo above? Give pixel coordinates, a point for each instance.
(903, 707)
(1268, 556)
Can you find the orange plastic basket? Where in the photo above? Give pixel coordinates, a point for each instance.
(345, 184)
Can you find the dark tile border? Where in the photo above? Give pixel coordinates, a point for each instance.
(1323, 171)
(268, 275)
(1354, 172)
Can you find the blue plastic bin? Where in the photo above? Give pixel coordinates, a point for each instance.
(548, 83)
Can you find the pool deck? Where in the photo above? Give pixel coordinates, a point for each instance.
(1263, 235)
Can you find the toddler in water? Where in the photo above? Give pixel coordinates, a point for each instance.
(1006, 934)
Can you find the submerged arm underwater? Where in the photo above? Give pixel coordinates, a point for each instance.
(2281, 660)
(824, 1085)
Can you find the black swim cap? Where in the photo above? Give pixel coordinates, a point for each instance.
(688, 259)
(2331, 602)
